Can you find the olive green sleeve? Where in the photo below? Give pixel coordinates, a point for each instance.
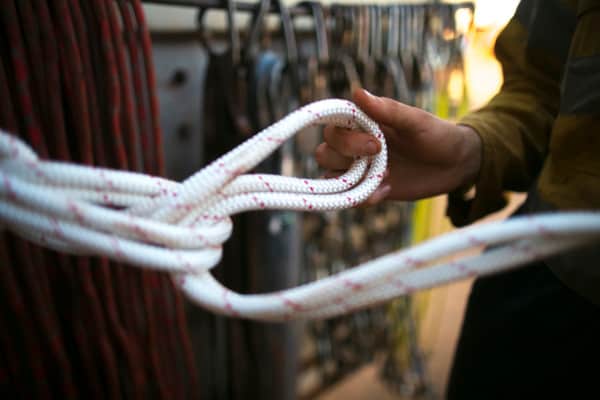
(514, 126)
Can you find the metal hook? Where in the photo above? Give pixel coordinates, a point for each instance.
(288, 33)
(393, 33)
(234, 41)
(375, 32)
(256, 26)
(316, 10)
(362, 45)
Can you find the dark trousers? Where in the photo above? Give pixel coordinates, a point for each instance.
(527, 336)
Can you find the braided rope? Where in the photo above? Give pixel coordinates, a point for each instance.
(155, 223)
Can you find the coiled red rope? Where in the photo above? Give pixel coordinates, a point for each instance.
(71, 70)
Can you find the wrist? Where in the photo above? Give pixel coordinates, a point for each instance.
(469, 159)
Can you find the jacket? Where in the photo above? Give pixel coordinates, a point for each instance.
(541, 132)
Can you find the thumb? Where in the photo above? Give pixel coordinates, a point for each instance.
(386, 111)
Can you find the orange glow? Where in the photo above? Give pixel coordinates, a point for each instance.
(490, 14)
(456, 84)
(482, 72)
(463, 18)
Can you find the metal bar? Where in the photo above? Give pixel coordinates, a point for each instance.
(239, 5)
(250, 7)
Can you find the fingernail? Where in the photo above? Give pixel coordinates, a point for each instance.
(372, 148)
(368, 93)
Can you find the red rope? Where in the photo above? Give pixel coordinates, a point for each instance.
(137, 67)
(10, 359)
(46, 314)
(21, 73)
(7, 111)
(152, 332)
(131, 350)
(77, 81)
(30, 348)
(127, 115)
(185, 341)
(53, 88)
(144, 38)
(33, 52)
(109, 72)
(74, 81)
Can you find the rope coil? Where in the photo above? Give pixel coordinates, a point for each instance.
(179, 227)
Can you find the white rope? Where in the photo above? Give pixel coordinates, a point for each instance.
(179, 227)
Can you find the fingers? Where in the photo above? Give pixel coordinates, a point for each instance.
(390, 112)
(379, 195)
(382, 192)
(350, 143)
(330, 159)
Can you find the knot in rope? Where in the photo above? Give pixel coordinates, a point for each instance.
(178, 227)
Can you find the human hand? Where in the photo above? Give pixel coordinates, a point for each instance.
(427, 155)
